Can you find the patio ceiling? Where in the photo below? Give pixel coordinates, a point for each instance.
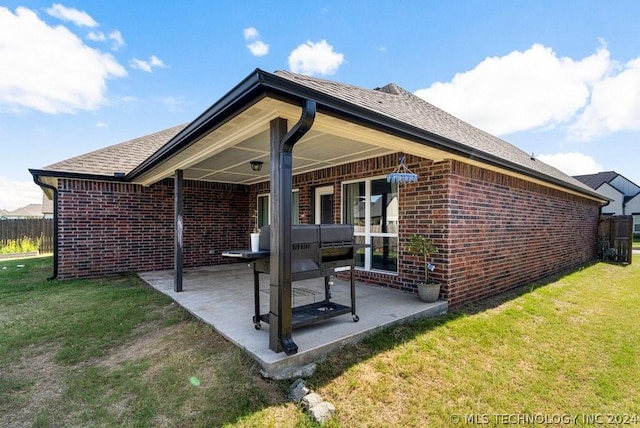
(224, 155)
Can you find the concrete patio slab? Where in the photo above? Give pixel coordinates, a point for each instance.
(222, 296)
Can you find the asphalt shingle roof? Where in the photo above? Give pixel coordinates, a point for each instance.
(121, 157)
(596, 180)
(391, 101)
(399, 104)
(31, 210)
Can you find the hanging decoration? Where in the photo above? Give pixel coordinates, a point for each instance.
(402, 174)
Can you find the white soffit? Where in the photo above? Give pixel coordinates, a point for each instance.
(224, 154)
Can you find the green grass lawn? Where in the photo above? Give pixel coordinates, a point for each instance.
(636, 243)
(111, 352)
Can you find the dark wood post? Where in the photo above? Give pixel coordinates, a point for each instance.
(178, 190)
(280, 304)
(280, 308)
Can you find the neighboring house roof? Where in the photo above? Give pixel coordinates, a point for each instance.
(389, 109)
(596, 180)
(28, 211)
(3, 212)
(47, 205)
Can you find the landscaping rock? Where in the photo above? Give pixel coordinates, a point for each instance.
(298, 390)
(322, 412)
(312, 403)
(310, 400)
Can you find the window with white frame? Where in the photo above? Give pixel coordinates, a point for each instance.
(263, 210)
(371, 206)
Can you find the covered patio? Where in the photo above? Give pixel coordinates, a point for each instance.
(222, 296)
(285, 149)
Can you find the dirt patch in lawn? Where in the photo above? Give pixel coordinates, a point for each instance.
(146, 346)
(32, 384)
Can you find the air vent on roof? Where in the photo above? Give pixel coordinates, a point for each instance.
(391, 88)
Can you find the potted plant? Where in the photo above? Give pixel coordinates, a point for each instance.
(255, 235)
(421, 246)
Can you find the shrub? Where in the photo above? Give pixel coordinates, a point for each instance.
(24, 245)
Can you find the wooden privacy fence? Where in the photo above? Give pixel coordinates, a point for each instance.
(32, 228)
(615, 238)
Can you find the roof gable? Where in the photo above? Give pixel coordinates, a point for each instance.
(614, 179)
(596, 180)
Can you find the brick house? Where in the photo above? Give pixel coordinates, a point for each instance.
(499, 217)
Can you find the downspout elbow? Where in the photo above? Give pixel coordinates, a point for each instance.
(36, 179)
(302, 127)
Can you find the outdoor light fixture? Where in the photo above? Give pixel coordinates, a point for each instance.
(402, 174)
(256, 165)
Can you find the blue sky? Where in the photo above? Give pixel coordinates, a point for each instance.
(560, 79)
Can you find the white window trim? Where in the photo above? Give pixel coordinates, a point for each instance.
(367, 224)
(319, 192)
(268, 195)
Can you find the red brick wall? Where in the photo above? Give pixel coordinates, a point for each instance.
(493, 231)
(106, 228)
(424, 210)
(506, 232)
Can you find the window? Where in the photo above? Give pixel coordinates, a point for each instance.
(636, 223)
(263, 212)
(371, 206)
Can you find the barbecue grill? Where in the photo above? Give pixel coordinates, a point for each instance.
(317, 250)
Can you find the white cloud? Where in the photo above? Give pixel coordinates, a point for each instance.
(315, 58)
(521, 90)
(256, 46)
(147, 65)
(101, 125)
(17, 194)
(117, 39)
(614, 106)
(250, 33)
(49, 69)
(115, 36)
(96, 36)
(572, 163)
(78, 17)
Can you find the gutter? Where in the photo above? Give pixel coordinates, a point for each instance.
(246, 93)
(342, 109)
(117, 177)
(36, 179)
(261, 84)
